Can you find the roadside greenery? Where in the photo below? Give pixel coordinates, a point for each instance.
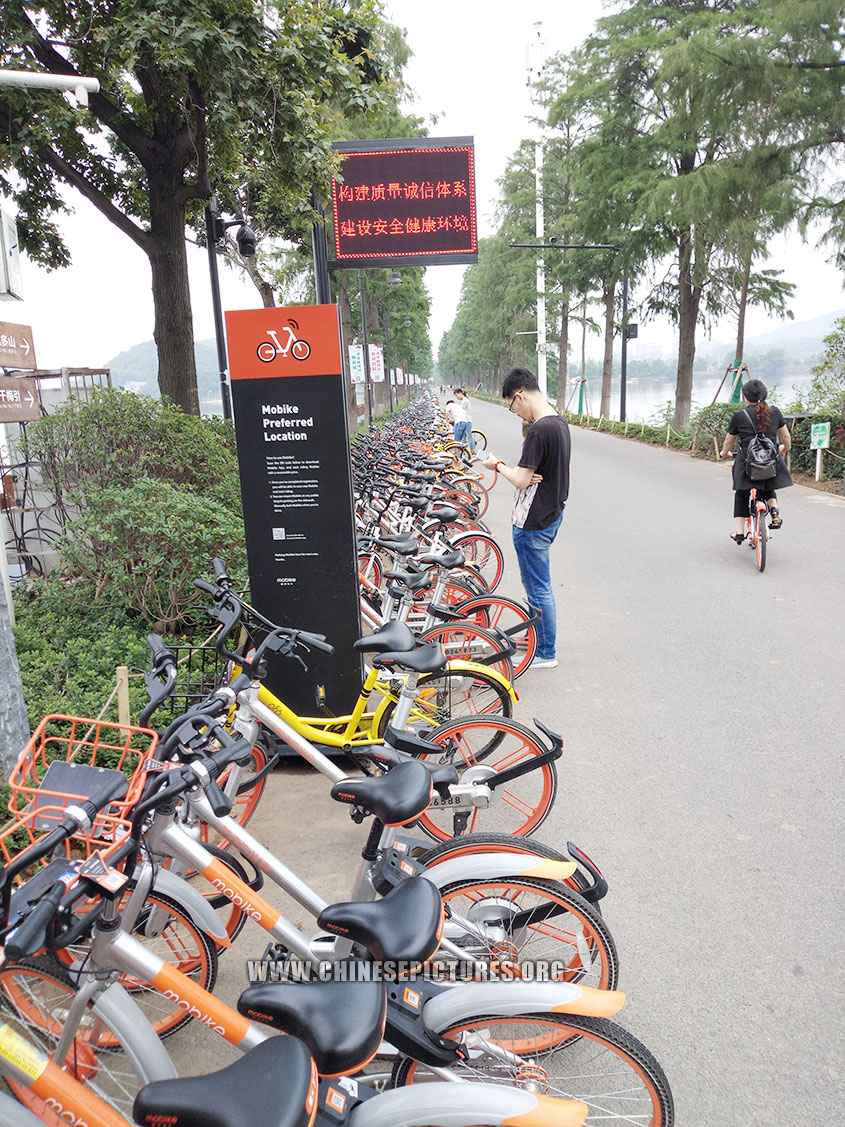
(148, 495)
(683, 134)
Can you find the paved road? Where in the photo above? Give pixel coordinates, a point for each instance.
(701, 704)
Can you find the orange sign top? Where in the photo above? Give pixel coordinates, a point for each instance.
(299, 340)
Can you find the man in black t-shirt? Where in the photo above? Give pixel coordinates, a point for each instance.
(542, 487)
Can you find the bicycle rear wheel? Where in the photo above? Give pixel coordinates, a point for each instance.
(484, 555)
(490, 744)
(468, 642)
(564, 1055)
(450, 694)
(760, 539)
(506, 615)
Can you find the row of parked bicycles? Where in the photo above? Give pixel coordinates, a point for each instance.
(469, 979)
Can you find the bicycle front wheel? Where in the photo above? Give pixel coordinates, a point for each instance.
(568, 1056)
(35, 996)
(495, 744)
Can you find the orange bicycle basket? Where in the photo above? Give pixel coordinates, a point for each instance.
(66, 760)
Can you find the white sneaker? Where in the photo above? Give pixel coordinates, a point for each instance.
(543, 663)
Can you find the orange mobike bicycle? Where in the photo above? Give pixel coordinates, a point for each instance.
(508, 1031)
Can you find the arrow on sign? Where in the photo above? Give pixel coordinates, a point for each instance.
(31, 398)
(26, 346)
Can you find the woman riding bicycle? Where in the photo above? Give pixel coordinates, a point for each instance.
(756, 417)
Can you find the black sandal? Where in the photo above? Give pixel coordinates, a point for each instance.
(738, 537)
(776, 520)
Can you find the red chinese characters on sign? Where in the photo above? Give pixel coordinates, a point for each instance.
(416, 202)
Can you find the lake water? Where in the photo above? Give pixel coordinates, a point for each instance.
(647, 398)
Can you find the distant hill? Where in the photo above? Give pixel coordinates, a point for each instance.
(136, 369)
(798, 338)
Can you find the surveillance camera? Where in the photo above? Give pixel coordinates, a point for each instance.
(246, 240)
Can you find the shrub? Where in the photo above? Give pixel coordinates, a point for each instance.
(141, 546)
(69, 646)
(709, 423)
(118, 437)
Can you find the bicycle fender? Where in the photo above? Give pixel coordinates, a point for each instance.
(194, 903)
(461, 1105)
(490, 866)
(516, 996)
(138, 1039)
(474, 667)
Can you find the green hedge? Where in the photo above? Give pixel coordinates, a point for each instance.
(711, 425)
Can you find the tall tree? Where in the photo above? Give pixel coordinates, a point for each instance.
(191, 95)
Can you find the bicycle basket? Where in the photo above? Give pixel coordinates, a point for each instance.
(67, 758)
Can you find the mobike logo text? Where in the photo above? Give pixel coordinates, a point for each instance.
(65, 1116)
(236, 898)
(192, 1010)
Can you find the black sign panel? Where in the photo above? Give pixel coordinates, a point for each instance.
(289, 406)
(410, 202)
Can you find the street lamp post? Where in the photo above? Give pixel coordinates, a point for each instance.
(387, 360)
(215, 228)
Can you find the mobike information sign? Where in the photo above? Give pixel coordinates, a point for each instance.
(16, 347)
(289, 406)
(19, 399)
(405, 202)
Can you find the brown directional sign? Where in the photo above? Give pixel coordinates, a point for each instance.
(19, 399)
(16, 347)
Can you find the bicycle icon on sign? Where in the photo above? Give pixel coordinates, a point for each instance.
(299, 349)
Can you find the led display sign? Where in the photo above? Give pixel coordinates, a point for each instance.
(407, 202)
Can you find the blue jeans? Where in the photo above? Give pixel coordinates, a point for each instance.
(532, 550)
(463, 433)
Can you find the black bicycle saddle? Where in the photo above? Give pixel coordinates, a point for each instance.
(273, 1085)
(395, 798)
(404, 927)
(342, 1022)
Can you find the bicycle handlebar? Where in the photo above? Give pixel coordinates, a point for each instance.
(29, 937)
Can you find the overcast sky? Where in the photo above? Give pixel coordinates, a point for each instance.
(468, 69)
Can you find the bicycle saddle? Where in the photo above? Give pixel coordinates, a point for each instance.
(455, 558)
(405, 926)
(395, 798)
(442, 775)
(393, 637)
(426, 659)
(443, 513)
(403, 545)
(273, 1085)
(413, 580)
(342, 1023)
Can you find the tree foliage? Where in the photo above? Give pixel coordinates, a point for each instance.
(193, 97)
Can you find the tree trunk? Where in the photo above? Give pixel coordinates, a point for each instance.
(689, 299)
(607, 362)
(563, 362)
(741, 310)
(173, 331)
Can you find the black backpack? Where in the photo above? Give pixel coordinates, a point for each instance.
(761, 455)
